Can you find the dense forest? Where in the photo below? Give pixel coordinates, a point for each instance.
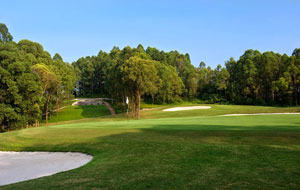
(34, 84)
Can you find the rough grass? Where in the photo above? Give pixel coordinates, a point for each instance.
(201, 152)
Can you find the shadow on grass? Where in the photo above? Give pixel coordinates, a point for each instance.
(90, 111)
(179, 157)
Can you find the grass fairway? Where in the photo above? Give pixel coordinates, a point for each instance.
(203, 152)
(80, 112)
(215, 110)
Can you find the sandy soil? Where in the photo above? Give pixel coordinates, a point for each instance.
(262, 114)
(187, 108)
(22, 166)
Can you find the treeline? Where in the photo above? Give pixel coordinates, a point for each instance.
(163, 77)
(136, 73)
(264, 78)
(32, 83)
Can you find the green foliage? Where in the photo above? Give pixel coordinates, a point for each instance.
(255, 78)
(137, 73)
(171, 85)
(5, 36)
(9, 119)
(31, 82)
(268, 78)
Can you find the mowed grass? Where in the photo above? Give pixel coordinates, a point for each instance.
(201, 152)
(215, 110)
(80, 112)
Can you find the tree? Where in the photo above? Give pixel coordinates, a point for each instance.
(294, 73)
(20, 89)
(296, 53)
(171, 84)
(221, 77)
(49, 81)
(30, 82)
(140, 75)
(9, 119)
(66, 80)
(5, 36)
(202, 65)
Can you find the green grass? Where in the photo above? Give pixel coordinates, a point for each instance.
(194, 150)
(181, 103)
(80, 112)
(215, 110)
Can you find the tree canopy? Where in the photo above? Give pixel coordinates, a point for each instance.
(31, 82)
(5, 36)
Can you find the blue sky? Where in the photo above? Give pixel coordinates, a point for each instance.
(209, 30)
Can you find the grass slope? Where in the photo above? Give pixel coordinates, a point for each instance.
(202, 152)
(80, 112)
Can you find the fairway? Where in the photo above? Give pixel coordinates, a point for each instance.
(203, 152)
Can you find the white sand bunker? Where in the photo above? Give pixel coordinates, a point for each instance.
(287, 113)
(187, 108)
(22, 166)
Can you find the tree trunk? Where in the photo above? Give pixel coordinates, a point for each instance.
(47, 104)
(92, 86)
(57, 106)
(132, 108)
(138, 105)
(296, 96)
(152, 98)
(45, 87)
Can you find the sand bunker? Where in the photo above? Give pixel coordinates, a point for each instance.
(88, 101)
(262, 114)
(22, 166)
(187, 108)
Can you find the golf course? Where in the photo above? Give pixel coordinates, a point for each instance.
(199, 149)
(150, 95)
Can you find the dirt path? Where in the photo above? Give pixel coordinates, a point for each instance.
(111, 109)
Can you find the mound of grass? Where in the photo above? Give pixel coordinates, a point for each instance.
(204, 152)
(80, 112)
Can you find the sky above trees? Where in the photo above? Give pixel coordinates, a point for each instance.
(208, 31)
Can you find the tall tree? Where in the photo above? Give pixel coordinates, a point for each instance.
(50, 82)
(141, 75)
(5, 36)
